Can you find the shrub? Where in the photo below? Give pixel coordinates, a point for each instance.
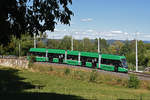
(50, 68)
(67, 71)
(133, 81)
(93, 76)
(32, 60)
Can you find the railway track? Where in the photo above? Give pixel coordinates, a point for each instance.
(142, 76)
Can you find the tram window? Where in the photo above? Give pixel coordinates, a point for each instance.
(89, 59)
(72, 57)
(111, 62)
(37, 54)
(117, 63)
(104, 61)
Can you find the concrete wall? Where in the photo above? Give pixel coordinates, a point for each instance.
(14, 62)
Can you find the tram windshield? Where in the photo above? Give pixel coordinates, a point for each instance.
(124, 63)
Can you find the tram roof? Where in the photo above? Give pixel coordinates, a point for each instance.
(113, 57)
(90, 54)
(57, 51)
(37, 50)
(72, 52)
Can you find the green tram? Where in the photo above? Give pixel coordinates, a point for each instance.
(87, 59)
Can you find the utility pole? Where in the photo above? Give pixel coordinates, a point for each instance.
(65, 56)
(98, 50)
(99, 61)
(98, 45)
(34, 40)
(79, 58)
(136, 54)
(46, 54)
(72, 43)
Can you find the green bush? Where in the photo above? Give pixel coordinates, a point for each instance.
(93, 76)
(32, 59)
(67, 71)
(133, 81)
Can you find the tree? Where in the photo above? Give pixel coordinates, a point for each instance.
(33, 16)
(12, 47)
(115, 48)
(129, 51)
(88, 45)
(76, 44)
(147, 45)
(53, 44)
(103, 45)
(141, 53)
(66, 43)
(40, 44)
(42, 40)
(25, 42)
(2, 51)
(125, 48)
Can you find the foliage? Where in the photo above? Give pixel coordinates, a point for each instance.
(53, 44)
(116, 47)
(88, 45)
(25, 42)
(76, 45)
(31, 60)
(102, 44)
(131, 57)
(67, 71)
(93, 76)
(65, 43)
(33, 16)
(148, 63)
(2, 51)
(40, 44)
(131, 67)
(133, 81)
(125, 48)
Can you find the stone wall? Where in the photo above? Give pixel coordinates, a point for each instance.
(14, 62)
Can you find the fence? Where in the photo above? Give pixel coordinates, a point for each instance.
(13, 61)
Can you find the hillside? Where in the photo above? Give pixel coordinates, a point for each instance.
(47, 83)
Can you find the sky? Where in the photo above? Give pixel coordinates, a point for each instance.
(109, 19)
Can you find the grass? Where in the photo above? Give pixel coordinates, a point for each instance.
(44, 83)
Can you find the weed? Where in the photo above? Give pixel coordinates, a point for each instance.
(31, 61)
(93, 76)
(133, 81)
(50, 68)
(81, 75)
(67, 71)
